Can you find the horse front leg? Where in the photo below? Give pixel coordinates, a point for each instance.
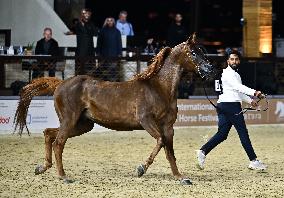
(50, 135)
(169, 150)
(142, 168)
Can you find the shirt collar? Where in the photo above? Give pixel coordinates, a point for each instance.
(122, 22)
(229, 68)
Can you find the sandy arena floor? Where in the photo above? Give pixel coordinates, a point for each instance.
(104, 165)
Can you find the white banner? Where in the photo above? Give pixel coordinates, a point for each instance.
(41, 114)
(193, 112)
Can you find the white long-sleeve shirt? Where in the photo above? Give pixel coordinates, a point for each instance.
(233, 89)
(125, 28)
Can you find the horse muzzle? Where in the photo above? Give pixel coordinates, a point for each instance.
(208, 71)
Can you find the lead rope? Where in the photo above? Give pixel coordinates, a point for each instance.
(208, 97)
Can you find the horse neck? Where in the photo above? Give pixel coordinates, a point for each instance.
(169, 75)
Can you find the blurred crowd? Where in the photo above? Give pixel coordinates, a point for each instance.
(109, 44)
(109, 40)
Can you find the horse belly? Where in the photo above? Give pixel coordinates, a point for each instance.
(114, 118)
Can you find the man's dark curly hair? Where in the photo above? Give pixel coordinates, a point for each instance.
(231, 51)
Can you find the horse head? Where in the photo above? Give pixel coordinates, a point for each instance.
(194, 59)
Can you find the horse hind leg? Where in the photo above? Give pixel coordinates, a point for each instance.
(50, 135)
(82, 126)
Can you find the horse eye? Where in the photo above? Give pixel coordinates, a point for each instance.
(193, 54)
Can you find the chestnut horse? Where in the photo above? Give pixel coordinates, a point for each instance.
(148, 101)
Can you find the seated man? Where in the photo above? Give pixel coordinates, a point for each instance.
(46, 46)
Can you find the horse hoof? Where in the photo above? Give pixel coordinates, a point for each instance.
(185, 182)
(39, 169)
(141, 169)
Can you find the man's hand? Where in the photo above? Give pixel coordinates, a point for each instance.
(150, 41)
(254, 103)
(69, 33)
(259, 94)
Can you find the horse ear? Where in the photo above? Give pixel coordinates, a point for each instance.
(191, 39)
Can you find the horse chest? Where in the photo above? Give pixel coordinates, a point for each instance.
(165, 111)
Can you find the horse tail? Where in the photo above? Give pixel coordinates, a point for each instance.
(38, 87)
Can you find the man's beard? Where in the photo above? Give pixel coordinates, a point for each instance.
(85, 20)
(235, 67)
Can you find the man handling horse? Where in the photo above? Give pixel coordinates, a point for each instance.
(228, 110)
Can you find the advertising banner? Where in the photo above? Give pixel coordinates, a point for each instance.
(41, 114)
(199, 112)
(191, 112)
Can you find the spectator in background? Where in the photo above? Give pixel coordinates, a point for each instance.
(186, 86)
(46, 46)
(123, 26)
(109, 45)
(150, 48)
(153, 47)
(85, 30)
(177, 33)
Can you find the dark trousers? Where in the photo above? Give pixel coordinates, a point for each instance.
(227, 117)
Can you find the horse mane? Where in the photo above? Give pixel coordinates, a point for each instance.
(155, 66)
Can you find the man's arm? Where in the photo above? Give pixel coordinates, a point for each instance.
(99, 43)
(131, 30)
(55, 51)
(38, 48)
(118, 26)
(72, 31)
(69, 33)
(95, 30)
(244, 90)
(246, 98)
(119, 43)
(236, 85)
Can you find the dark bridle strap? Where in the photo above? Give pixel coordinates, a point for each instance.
(198, 64)
(215, 106)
